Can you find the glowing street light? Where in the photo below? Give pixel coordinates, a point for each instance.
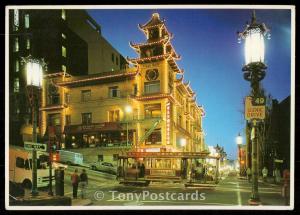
(34, 76)
(183, 143)
(239, 142)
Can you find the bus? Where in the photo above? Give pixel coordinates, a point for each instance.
(20, 167)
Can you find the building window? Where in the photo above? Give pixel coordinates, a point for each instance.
(16, 19)
(67, 98)
(135, 89)
(16, 45)
(16, 85)
(152, 111)
(113, 57)
(114, 92)
(63, 36)
(63, 68)
(85, 95)
(64, 51)
(26, 20)
(54, 119)
(114, 116)
(17, 66)
(86, 118)
(117, 60)
(179, 120)
(63, 14)
(154, 137)
(152, 87)
(27, 43)
(68, 119)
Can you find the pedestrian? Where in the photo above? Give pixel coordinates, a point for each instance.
(75, 181)
(286, 186)
(249, 174)
(83, 183)
(143, 170)
(119, 172)
(265, 174)
(277, 176)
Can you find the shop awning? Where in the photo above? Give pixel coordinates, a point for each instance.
(95, 127)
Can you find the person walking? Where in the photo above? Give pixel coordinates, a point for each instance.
(249, 174)
(75, 181)
(265, 174)
(83, 183)
(286, 186)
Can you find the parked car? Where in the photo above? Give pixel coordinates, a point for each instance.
(104, 167)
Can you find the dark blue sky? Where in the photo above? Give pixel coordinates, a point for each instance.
(211, 57)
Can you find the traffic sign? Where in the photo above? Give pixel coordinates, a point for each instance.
(254, 112)
(37, 146)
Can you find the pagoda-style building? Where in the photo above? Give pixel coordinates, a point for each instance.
(161, 94)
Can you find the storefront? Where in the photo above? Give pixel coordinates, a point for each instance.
(107, 134)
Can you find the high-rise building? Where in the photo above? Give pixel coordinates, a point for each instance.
(58, 36)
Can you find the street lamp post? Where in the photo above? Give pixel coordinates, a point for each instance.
(254, 72)
(239, 142)
(34, 76)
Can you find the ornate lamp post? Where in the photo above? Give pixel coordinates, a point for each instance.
(239, 142)
(254, 72)
(34, 77)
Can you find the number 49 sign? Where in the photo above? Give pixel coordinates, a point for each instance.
(255, 108)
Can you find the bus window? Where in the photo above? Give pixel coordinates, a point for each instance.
(27, 165)
(19, 162)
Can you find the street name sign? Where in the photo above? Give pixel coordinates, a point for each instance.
(254, 112)
(37, 146)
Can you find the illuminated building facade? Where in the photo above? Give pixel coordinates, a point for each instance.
(90, 111)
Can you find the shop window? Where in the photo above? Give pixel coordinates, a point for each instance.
(152, 87)
(68, 119)
(114, 92)
(153, 110)
(20, 162)
(85, 95)
(86, 118)
(154, 137)
(26, 20)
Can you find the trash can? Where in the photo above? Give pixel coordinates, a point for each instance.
(59, 182)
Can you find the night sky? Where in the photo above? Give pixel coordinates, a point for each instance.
(212, 58)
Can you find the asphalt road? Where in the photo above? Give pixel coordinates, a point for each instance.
(104, 190)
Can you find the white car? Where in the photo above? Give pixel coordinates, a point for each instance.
(104, 167)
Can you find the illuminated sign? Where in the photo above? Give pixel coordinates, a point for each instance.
(37, 146)
(168, 124)
(254, 112)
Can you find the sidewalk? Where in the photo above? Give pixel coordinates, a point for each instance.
(81, 202)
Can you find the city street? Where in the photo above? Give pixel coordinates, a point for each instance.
(103, 189)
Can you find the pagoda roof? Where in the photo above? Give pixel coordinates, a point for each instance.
(153, 22)
(98, 78)
(171, 60)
